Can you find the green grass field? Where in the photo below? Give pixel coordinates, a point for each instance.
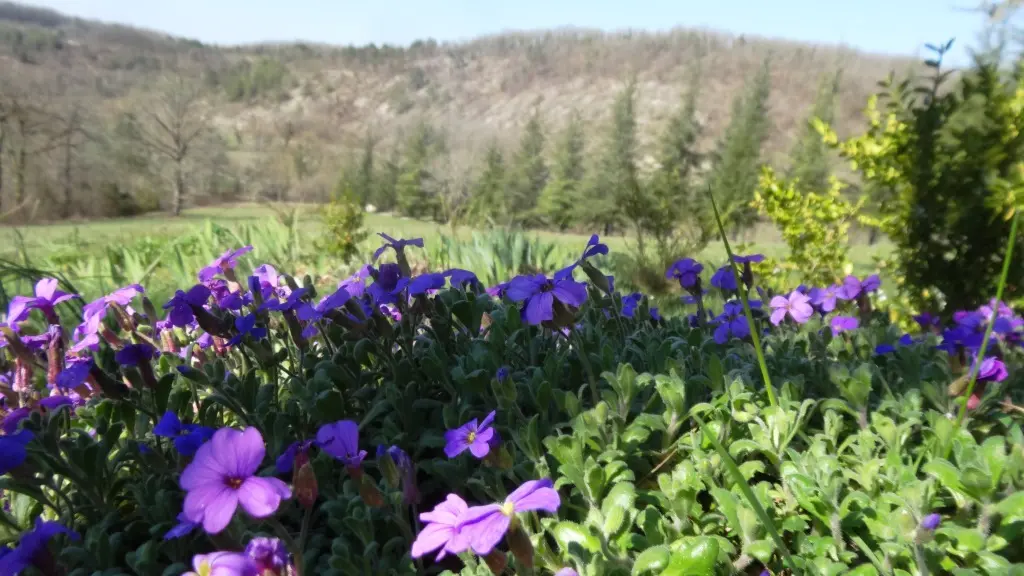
(164, 253)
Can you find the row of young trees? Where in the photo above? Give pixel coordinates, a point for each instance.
(597, 177)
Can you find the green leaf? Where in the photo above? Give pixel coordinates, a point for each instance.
(695, 555)
(1012, 505)
(330, 406)
(568, 534)
(652, 561)
(617, 506)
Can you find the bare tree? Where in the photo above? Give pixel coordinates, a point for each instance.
(169, 126)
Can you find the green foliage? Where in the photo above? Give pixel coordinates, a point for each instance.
(414, 189)
(612, 187)
(733, 178)
(499, 254)
(814, 225)
(528, 172)
(265, 78)
(558, 202)
(949, 160)
(343, 223)
(489, 200)
(810, 161)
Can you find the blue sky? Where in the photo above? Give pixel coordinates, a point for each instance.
(887, 26)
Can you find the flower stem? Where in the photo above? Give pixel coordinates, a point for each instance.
(594, 395)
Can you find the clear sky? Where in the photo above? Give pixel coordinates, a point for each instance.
(888, 26)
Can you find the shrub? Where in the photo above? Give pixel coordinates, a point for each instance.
(951, 157)
(379, 402)
(343, 224)
(814, 225)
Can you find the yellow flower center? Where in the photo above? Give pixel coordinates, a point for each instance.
(508, 508)
(205, 568)
(471, 437)
(234, 483)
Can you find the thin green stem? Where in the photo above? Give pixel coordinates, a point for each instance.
(754, 336)
(988, 329)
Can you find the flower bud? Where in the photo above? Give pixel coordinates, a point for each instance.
(55, 355)
(387, 467)
(370, 493)
(22, 375)
(304, 481)
(149, 309)
(111, 338)
(519, 543)
(496, 561)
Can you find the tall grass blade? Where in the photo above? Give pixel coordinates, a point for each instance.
(748, 493)
(988, 329)
(754, 336)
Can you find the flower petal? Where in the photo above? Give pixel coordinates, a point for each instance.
(430, 538)
(484, 531)
(260, 497)
(539, 308)
(213, 505)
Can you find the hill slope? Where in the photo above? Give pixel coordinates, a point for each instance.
(327, 98)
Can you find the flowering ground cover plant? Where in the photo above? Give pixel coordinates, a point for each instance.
(426, 423)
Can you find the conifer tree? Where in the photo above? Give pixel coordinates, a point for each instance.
(810, 159)
(738, 163)
(362, 181)
(563, 190)
(489, 201)
(413, 188)
(529, 172)
(613, 195)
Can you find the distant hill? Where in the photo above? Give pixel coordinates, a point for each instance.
(475, 91)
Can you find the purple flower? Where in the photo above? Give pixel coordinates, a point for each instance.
(541, 294)
(842, 324)
(992, 370)
(222, 564)
(732, 322)
(630, 303)
(906, 340)
(931, 521)
(498, 290)
(882, 349)
(12, 450)
(292, 302)
(9, 425)
(460, 278)
(267, 554)
(226, 261)
(181, 305)
(341, 440)
(426, 282)
(594, 247)
(686, 271)
(852, 287)
(871, 284)
(503, 373)
(723, 279)
(74, 374)
(825, 298)
(286, 461)
(135, 354)
(483, 527)
(47, 297)
(31, 544)
(246, 326)
(655, 315)
(441, 529)
(796, 305)
(222, 476)
(567, 572)
(356, 284)
(182, 528)
(388, 283)
(187, 438)
(926, 320)
(51, 403)
(398, 245)
(470, 436)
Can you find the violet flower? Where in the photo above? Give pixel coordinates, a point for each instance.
(426, 282)
(292, 302)
(187, 438)
(246, 326)
(825, 298)
(594, 247)
(182, 528)
(135, 354)
(724, 280)
(440, 530)
(732, 323)
(460, 278)
(931, 521)
(842, 324)
(341, 440)
(31, 544)
(74, 375)
(470, 436)
(222, 564)
(222, 476)
(686, 271)
(388, 283)
(797, 306)
(397, 245)
(221, 264)
(483, 527)
(630, 303)
(181, 305)
(12, 450)
(541, 294)
(286, 461)
(268, 554)
(47, 297)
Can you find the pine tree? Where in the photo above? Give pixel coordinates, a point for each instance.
(562, 192)
(384, 193)
(680, 209)
(363, 179)
(810, 158)
(735, 174)
(529, 172)
(413, 189)
(488, 197)
(613, 195)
